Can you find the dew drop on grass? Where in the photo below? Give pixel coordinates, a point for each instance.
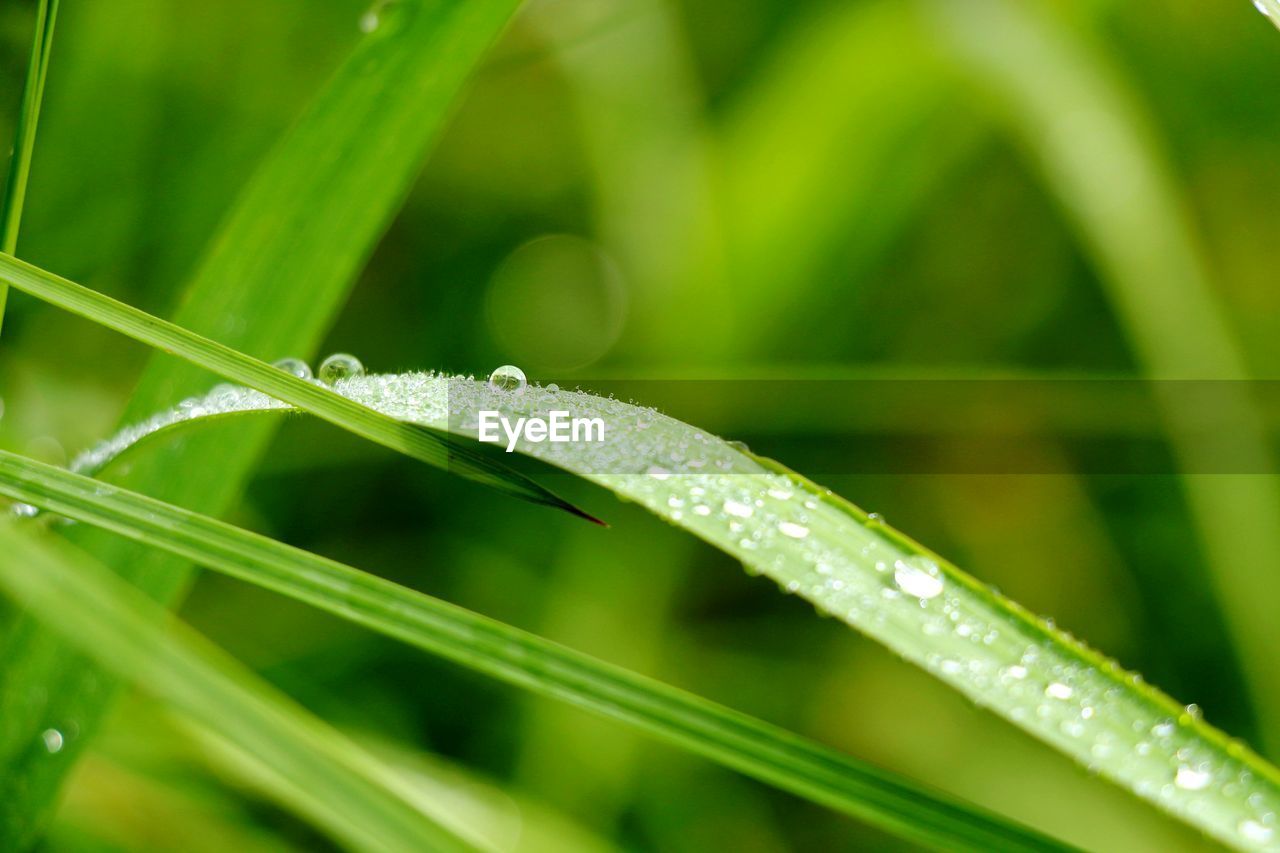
(737, 509)
(294, 366)
(22, 510)
(509, 378)
(795, 531)
(1256, 831)
(1191, 778)
(918, 576)
(52, 740)
(1058, 690)
(340, 365)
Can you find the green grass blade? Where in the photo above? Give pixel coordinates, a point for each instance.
(273, 278)
(860, 166)
(856, 568)
(15, 187)
(1090, 137)
(340, 787)
(410, 439)
(746, 744)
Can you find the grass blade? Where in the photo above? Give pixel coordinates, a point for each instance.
(271, 281)
(856, 568)
(15, 187)
(410, 439)
(340, 787)
(746, 744)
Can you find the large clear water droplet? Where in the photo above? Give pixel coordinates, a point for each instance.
(340, 365)
(53, 740)
(509, 378)
(918, 576)
(295, 366)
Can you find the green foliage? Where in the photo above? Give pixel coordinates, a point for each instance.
(740, 190)
(327, 777)
(517, 657)
(271, 280)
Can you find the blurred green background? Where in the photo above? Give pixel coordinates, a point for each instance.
(653, 190)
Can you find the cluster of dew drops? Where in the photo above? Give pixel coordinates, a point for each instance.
(694, 486)
(223, 397)
(1061, 698)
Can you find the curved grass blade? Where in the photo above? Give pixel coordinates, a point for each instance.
(751, 746)
(273, 278)
(856, 568)
(336, 784)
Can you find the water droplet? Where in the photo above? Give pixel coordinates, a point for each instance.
(795, 531)
(294, 366)
(372, 18)
(739, 445)
(1058, 690)
(1252, 830)
(1164, 728)
(1016, 672)
(52, 740)
(508, 377)
(740, 510)
(553, 387)
(918, 576)
(22, 510)
(657, 472)
(1191, 778)
(702, 509)
(340, 365)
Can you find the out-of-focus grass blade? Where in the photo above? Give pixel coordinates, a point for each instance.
(805, 174)
(756, 748)
(15, 187)
(410, 439)
(338, 786)
(271, 281)
(1090, 135)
